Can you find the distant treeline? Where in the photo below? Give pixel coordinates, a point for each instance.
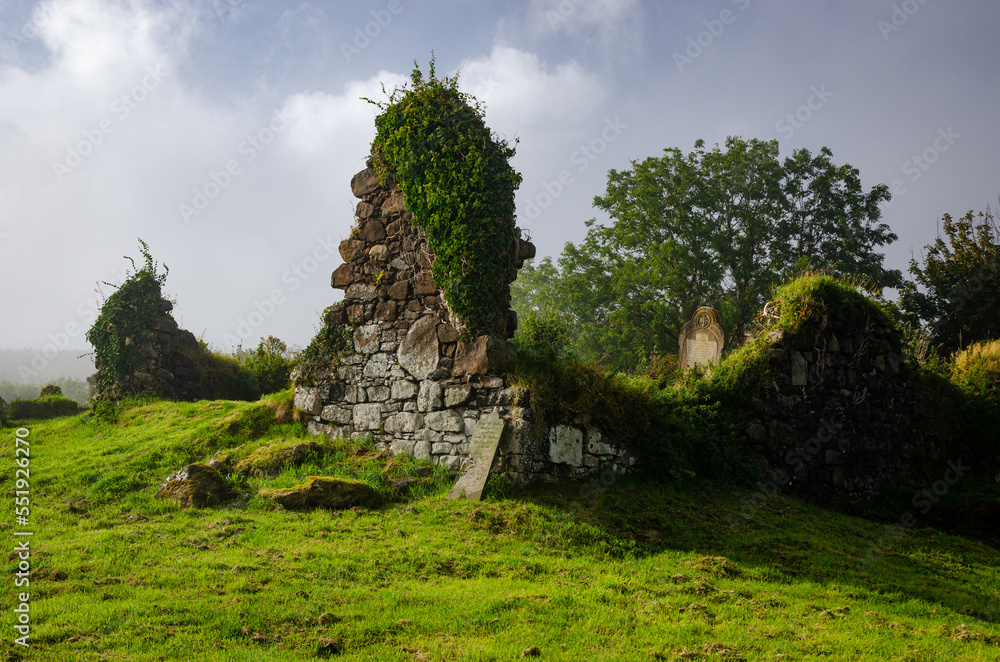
(72, 388)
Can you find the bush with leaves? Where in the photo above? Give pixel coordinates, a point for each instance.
(124, 322)
(455, 173)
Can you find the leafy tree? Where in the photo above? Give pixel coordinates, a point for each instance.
(718, 227)
(956, 293)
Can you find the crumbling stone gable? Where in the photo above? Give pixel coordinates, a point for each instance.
(408, 378)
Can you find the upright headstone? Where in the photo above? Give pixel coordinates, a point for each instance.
(702, 339)
(484, 447)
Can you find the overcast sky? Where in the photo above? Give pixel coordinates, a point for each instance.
(225, 133)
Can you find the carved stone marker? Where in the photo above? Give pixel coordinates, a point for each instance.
(483, 450)
(702, 339)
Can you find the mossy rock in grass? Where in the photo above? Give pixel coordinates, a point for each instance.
(320, 492)
(269, 460)
(195, 486)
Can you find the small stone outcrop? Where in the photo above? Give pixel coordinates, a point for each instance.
(195, 486)
(321, 492)
(269, 460)
(174, 365)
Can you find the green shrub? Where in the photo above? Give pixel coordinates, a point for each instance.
(432, 141)
(47, 406)
(543, 335)
(124, 322)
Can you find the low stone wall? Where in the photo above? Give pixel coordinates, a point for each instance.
(836, 422)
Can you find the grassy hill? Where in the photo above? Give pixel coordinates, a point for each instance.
(619, 570)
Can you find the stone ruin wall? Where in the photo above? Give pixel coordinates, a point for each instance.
(410, 382)
(836, 424)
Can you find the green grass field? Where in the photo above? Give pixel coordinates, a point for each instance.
(624, 570)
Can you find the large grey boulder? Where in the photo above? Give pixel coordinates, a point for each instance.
(419, 352)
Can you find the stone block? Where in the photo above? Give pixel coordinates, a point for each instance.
(394, 205)
(800, 370)
(335, 414)
(409, 421)
(470, 426)
(399, 290)
(485, 354)
(401, 447)
(566, 445)
(596, 445)
(378, 393)
(364, 183)
(447, 333)
(351, 249)
(367, 416)
(342, 277)
(419, 352)
(450, 462)
(429, 436)
(423, 284)
(429, 397)
(378, 254)
(364, 210)
(456, 396)
(403, 390)
(307, 400)
(422, 451)
(377, 366)
(372, 231)
(442, 448)
(366, 339)
(447, 420)
(361, 292)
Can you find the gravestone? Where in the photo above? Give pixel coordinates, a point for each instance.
(702, 339)
(483, 449)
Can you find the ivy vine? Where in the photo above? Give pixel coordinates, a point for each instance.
(455, 174)
(120, 329)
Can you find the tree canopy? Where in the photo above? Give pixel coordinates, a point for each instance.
(715, 226)
(956, 293)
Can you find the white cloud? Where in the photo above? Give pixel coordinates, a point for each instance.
(613, 23)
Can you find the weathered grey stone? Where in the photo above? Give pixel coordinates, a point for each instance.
(442, 448)
(409, 421)
(361, 292)
(372, 231)
(484, 448)
(394, 205)
(470, 426)
(450, 462)
(447, 333)
(307, 401)
(596, 445)
(366, 339)
(194, 486)
(335, 414)
(377, 393)
(447, 420)
(403, 390)
(419, 352)
(485, 354)
(317, 492)
(401, 447)
(368, 416)
(456, 396)
(378, 253)
(377, 366)
(364, 183)
(422, 451)
(426, 434)
(800, 370)
(566, 445)
(429, 397)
